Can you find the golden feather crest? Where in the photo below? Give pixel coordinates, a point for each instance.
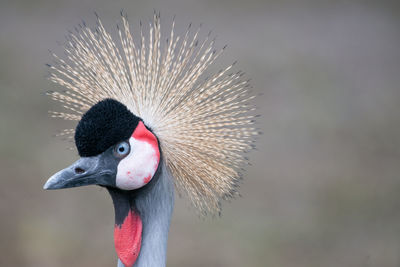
(204, 125)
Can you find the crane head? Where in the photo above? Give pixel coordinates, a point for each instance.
(118, 152)
(116, 149)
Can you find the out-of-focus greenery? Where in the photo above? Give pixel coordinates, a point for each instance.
(324, 185)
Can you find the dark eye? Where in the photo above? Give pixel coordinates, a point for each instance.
(122, 149)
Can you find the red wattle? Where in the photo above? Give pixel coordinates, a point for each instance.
(128, 238)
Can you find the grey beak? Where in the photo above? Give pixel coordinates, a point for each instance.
(85, 171)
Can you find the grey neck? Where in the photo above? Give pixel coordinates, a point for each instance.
(155, 208)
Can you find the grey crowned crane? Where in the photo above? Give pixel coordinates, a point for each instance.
(148, 121)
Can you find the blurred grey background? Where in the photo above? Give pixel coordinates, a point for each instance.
(324, 186)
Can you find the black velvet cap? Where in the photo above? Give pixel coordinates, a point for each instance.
(105, 124)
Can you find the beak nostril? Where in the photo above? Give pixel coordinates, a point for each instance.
(79, 170)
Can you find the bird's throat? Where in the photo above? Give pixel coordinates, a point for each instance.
(128, 227)
(128, 238)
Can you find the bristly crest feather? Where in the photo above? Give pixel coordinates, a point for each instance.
(204, 125)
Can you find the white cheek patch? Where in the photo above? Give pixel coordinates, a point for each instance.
(137, 169)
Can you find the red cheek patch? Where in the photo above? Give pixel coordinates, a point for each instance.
(143, 134)
(128, 239)
(139, 167)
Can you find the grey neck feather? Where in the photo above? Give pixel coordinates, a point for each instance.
(155, 208)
